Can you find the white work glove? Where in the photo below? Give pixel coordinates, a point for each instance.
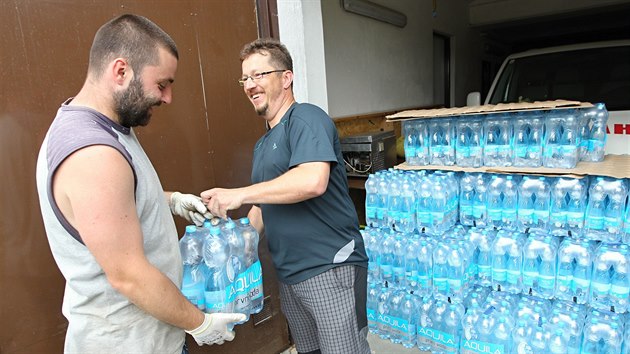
(214, 329)
(189, 207)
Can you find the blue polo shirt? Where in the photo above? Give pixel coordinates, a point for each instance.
(312, 236)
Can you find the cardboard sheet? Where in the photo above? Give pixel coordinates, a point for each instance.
(484, 109)
(616, 166)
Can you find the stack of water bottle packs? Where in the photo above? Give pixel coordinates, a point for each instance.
(555, 138)
(222, 272)
(489, 263)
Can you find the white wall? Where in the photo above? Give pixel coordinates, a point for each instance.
(300, 25)
(372, 66)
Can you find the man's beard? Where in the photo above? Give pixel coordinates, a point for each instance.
(262, 110)
(132, 105)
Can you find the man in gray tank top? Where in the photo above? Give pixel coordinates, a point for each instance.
(107, 218)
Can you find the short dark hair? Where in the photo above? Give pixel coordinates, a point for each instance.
(133, 37)
(280, 56)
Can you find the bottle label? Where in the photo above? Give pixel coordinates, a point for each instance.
(370, 212)
(444, 341)
(475, 346)
(479, 211)
(595, 222)
(546, 281)
(620, 291)
(580, 283)
(521, 151)
(215, 301)
(513, 276)
(529, 277)
(499, 275)
(371, 315)
(466, 209)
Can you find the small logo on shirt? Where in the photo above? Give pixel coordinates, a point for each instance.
(274, 146)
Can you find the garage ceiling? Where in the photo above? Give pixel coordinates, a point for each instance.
(541, 25)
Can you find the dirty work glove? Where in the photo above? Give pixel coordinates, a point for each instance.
(189, 207)
(214, 329)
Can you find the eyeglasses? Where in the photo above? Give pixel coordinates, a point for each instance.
(256, 76)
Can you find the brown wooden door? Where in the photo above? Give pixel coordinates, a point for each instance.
(203, 139)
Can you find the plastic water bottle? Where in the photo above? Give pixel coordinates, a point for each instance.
(601, 278)
(617, 191)
(371, 201)
(502, 333)
(533, 204)
(425, 268)
(372, 248)
(530, 263)
(528, 139)
(193, 282)
(521, 335)
(386, 256)
(593, 133)
(582, 272)
(472, 199)
(412, 264)
(411, 142)
(425, 327)
(253, 267)
(408, 312)
(456, 269)
(372, 307)
(561, 139)
(594, 217)
(601, 336)
(383, 312)
(235, 268)
(620, 281)
(546, 282)
(416, 142)
(469, 146)
(442, 141)
(498, 140)
(383, 192)
(407, 210)
(495, 201)
(499, 263)
(484, 256)
(216, 252)
(424, 204)
(398, 266)
(394, 201)
(451, 328)
(514, 263)
(626, 225)
(509, 207)
(440, 270)
(440, 222)
(397, 325)
(568, 206)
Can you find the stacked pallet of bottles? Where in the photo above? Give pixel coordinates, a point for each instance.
(473, 262)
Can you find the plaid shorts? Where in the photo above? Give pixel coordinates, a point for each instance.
(328, 311)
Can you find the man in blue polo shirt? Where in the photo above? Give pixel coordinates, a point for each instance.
(300, 198)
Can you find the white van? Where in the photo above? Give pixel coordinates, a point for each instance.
(589, 72)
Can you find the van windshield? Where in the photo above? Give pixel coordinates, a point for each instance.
(586, 75)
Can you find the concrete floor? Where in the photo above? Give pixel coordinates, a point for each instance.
(378, 346)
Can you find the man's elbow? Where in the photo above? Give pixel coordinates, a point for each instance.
(317, 189)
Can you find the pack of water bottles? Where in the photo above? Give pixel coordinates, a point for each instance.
(555, 138)
(483, 290)
(595, 208)
(222, 271)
